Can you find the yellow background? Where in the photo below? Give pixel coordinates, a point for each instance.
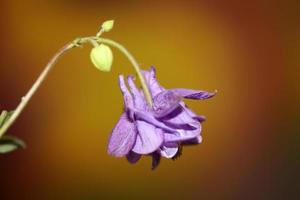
(247, 50)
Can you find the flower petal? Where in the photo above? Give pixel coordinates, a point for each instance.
(196, 140)
(149, 118)
(153, 84)
(181, 126)
(122, 137)
(139, 100)
(168, 152)
(128, 100)
(148, 138)
(165, 102)
(199, 118)
(182, 134)
(194, 94)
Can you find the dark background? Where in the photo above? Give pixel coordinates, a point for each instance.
(248, 50)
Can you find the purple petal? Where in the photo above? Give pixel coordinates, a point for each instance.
(139, 100)
(180, 126)
(194, 94)
(149, 118)
(148, 138)
(168, 152)
(199, 118)
(153, 84)
(196, 140)
(128, 100)
(184, 117)
(181, 134)
(175, 133)
(122, 137)
(165, 102)
(133, 157)
(172, 114)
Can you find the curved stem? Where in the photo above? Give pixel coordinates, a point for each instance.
(134, 63)
(35, 86)
(52, 62)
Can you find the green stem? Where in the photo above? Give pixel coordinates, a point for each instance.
(52, 62)
(35, 86)
(134, 63)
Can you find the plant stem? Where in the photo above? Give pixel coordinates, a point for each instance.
(52, 62)
(35, 86)
(134, 63)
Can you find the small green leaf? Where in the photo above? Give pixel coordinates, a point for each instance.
(6, 148)
(9, 114)
(5, 115)
(2, 117)
(10, 143)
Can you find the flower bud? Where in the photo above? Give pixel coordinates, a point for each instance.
(107, 25)
(102, 57)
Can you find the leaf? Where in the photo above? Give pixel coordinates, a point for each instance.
(6, 148)
(4, 116)
(10, 143)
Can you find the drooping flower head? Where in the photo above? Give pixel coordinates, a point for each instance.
(160, 130)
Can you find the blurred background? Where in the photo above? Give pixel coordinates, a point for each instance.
(245, 49)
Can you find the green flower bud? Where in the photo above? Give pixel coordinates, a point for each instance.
(107, 25)
(102, 57)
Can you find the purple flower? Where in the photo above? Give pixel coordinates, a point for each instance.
(157, 131)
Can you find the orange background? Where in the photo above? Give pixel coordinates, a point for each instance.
(245, 49)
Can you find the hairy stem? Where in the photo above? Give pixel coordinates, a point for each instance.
(52, 62)
(35, 86)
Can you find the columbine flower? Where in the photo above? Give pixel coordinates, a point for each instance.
(157, 131)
